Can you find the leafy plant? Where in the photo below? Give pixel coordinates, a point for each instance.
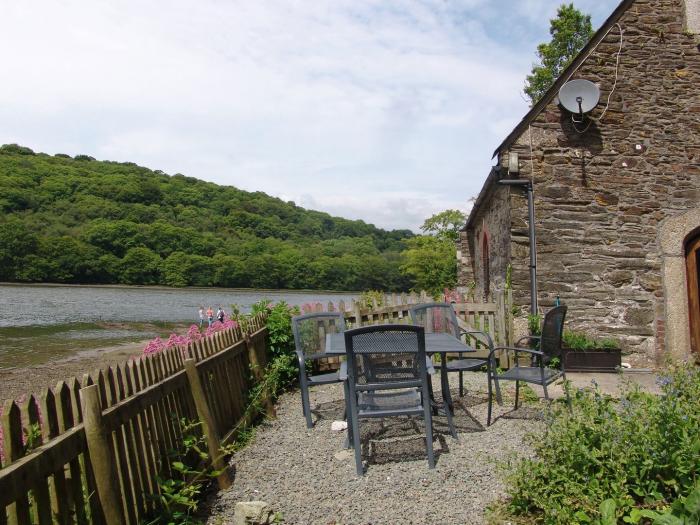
(280, 342)
(179, 496)
(534, 324)
(581, 341)
(642, 452)
(369, 297)
(683, 511)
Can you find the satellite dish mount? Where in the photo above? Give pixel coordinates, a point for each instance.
(579, 97)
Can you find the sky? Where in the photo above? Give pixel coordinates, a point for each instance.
(380, 110)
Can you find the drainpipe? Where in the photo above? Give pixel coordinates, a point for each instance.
(526, 184)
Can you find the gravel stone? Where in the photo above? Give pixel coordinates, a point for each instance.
(307, 476)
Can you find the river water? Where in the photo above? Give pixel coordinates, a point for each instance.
(40, 321)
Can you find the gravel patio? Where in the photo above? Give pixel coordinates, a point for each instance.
(307, 476)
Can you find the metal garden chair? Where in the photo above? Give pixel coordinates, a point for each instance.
(441, 318)
(548, 348)
(387, 376)
(310, 340)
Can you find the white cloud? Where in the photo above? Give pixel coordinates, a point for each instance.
(385, 111)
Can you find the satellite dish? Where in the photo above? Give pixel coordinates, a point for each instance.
(579, 96)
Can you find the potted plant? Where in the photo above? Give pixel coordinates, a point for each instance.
(581, 353)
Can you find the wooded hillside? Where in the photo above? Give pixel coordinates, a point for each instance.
(78, 220)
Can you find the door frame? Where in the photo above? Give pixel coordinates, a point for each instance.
(673, 325)
(692, 265)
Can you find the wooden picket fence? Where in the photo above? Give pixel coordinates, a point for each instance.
(91, 451)
(494, 318)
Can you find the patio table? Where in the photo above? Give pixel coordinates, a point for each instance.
(435, 343)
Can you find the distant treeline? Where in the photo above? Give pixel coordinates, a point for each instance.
(78, 220)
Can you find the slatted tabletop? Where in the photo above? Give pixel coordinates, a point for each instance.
(434, 344)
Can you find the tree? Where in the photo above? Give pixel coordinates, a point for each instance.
(570, 31)
(431, 262)
(445, 225)
(140, 266)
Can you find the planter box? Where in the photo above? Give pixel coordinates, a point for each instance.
(595, 360)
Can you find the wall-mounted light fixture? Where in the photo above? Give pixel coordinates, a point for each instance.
(513, 163)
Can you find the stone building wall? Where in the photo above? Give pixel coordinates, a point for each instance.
(493, 224)
(602, 194)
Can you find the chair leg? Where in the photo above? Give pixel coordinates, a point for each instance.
(517, 392)
(432, 395)
(306, 404)
(356, 438)
(461, 384)
(499, 397)
(348, 435)
(428, 420)
(488, 418)
(544, 387)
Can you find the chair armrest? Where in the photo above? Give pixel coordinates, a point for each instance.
(516, 350)
(489, 341)
(343, 372)
(528, 338)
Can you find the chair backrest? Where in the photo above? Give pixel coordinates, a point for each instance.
(552, 329)
(436, 318)
(383, 357)
(310, 331)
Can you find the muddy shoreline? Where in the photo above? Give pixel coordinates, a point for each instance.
(22, 380)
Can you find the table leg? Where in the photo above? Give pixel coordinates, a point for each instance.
(447, 400)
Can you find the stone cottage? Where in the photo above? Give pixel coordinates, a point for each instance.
(617, 196)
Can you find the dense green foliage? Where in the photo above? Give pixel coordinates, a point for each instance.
(642, 452)
(431, 259)
(445, 225)
(284, 369)
(570, 30)
(431, 262)
(77, 220)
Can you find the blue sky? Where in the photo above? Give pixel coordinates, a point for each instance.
(386, 111)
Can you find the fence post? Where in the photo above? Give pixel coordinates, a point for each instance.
(208, 424)
(358, 315)
(257, 370)
(101, 458)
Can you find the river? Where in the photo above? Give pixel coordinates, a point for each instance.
(40, 322)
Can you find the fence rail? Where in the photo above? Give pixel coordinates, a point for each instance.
(494, 318)
(91, 451)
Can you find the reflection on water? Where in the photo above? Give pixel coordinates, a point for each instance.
(43, 322)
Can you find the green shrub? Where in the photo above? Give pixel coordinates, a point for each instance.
(280, 342)
(641, 452)
(368, 297)
(16, 149)
(581, 341)
(534, 324)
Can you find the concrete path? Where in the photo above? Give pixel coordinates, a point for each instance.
(609, 383)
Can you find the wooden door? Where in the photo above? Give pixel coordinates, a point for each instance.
(693, 271)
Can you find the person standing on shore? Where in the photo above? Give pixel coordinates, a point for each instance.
(210, 315)
(220, 314)
(201, 316)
